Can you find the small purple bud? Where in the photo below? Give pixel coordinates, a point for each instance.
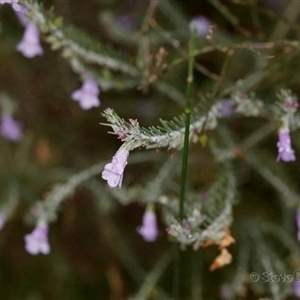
(10, 129)
(122, 133)
(37, 241)
(133, 122)
(113, 172)
(30, 45)
(285, 151)
(149, 230)
(201, 25)
(88, 94)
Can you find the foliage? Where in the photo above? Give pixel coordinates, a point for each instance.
(194, 96)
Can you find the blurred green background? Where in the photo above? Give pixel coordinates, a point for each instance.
(89, 256)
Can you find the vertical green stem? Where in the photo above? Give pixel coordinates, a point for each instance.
(187, 112)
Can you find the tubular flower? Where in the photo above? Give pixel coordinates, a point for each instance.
(10, 129)
(37, 241)
(113, 172)
(285, 151)
(88, 94)
(30, 45)
(149, 230)
(21, 15)
(14, 4)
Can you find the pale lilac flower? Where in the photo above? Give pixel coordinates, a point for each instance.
(149, 230)
(113, 172)
(298, 225)
(201, 25)
(88, 94)
(21, 15)
(296, 288)
(285, 151)
(30, 45)
(2, 220)
(10, 129)
(37, 241)
(227, 107)
(14, 3)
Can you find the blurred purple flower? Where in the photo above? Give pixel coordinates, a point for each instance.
(113, 172)
(227, 107)
(201, 25)
(14, 4)
(296, 288)
(226, 292)
(2, 220)
(21, 15)
(30, 45)
(149, 230)
(88, 94)
(126, 21)
(285, 151)
(10, 129)
(37, 241)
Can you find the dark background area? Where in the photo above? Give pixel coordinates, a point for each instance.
(61, 139)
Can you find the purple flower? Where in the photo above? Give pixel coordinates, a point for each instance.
(296, 288)
(21, 15)
(88, 94)
(10, 129)
(227, 108)
(200, 24)
(2, 220)
(285, 151)
(30, 45)
(14, 3)
(126, 21)
(37, 241)
(113, 172)
(149, 230)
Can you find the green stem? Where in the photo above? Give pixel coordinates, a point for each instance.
(187, 112)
